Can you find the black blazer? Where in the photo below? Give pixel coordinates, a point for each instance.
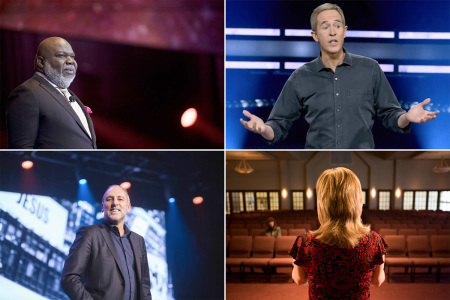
(40, 117)
(92, 269)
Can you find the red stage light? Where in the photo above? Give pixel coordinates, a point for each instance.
(197, 200)
(189, 117)
(126, 185)
(28, 164)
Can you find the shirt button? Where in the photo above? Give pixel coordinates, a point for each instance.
(335, 79)
(339, 126)
(338, 110)
(337, 94)
(338, 142)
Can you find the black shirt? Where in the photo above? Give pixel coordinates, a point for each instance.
(127, 261)
(339, 106)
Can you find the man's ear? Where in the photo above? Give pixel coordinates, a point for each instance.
(40, 62)
(314, 35)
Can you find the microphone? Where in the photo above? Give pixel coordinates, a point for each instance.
(71, 99)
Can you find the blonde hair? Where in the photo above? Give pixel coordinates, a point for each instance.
(321, 8)
(339, 207)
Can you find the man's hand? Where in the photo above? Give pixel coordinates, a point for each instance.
(417, 115)
(256, 125)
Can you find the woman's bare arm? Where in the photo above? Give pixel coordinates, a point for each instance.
(378, 275)
(299, 275)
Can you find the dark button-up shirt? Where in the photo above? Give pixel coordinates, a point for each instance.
(126, 255)
(339, 106)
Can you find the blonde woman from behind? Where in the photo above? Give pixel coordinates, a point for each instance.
(343, 257)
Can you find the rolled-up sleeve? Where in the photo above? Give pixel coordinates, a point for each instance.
(386, 103)
(287, 109)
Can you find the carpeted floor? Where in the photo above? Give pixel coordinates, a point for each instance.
(399, 287)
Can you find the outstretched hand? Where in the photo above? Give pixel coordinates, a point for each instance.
(255, 123)
(417, 114)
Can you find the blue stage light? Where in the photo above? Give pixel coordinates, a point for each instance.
(297, 32)
(350, 33)
(293, 65)
(82, 181)
(423, 69)
(307, 33)
(171, 200)
(252, 65)
(371, 34)
(253, 31)
(424, 35)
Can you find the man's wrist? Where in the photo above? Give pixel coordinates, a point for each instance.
(406, 116)
(403, 121)
(268, 133)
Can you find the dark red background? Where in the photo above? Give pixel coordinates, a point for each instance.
(141, 64)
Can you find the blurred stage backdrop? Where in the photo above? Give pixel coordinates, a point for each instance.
(141, 65)
(42, 207)
(267, 40)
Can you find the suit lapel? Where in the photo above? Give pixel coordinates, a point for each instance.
(112, 248)
(64, 103)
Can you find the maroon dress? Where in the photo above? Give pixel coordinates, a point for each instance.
(339, 273)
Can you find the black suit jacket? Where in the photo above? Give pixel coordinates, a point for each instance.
(92, 269)
(40, 117)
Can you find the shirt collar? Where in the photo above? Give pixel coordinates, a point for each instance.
(111, 226)
(320, 66)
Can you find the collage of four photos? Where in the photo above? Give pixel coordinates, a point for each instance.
(224, 149)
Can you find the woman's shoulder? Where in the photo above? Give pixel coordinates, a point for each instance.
(371, 237)
(306, 237)
(307, 234)
(374, 234)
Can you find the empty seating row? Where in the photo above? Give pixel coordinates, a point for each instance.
(267, 252)
(406, 216)
(288, 214)
(367, 214)
(429, 219)
(414, 251)
(406, 232)
(261, 251)
(258, 232)
(383, 231)
(378, 226)
(249, 226)
(407, 221)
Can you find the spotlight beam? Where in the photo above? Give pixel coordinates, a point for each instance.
(208, 130)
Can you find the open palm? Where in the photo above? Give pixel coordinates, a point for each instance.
(417, 114)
